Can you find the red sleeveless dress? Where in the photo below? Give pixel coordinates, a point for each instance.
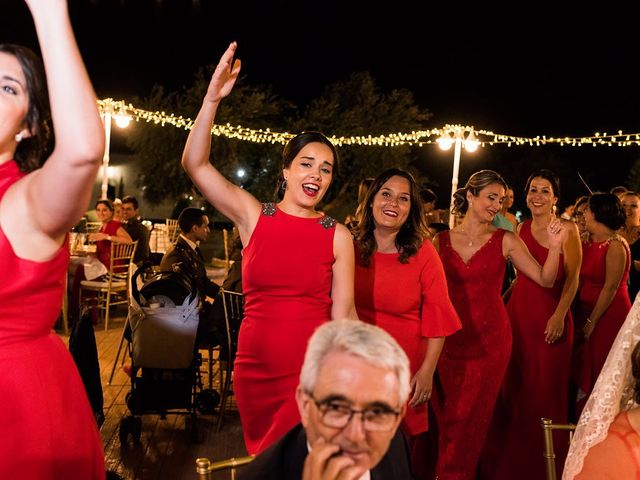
(287, 269)
(591, 355)
(537, 379)
(47, 429)
(474, 360)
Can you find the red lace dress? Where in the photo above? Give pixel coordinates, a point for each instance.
(474, 360)
(591, 355)
(410, 301)
(47, 428)
(536, 381)
(287, 269)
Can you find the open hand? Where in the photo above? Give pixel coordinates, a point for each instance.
(224, 76)
(556, 233)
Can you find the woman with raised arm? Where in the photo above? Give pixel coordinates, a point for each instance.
(48, 430)
(297, 265)
(535, 385)
(474, 360)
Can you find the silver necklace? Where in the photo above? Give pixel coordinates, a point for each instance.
(470, 242)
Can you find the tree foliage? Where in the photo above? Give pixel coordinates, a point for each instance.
(355, 106)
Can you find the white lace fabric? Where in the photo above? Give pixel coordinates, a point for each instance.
(612, 393)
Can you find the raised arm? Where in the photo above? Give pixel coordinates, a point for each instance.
(43, 206)
(232, 201)
(514, 248)
(342, 293)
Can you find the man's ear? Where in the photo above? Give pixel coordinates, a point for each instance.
(303, 402)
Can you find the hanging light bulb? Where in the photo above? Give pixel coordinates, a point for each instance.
(122, 118)
(445, 141)
(471, 143)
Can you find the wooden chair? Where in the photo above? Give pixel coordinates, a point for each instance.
(173, 230)
(233, 304)
(549, 456)
(204, 467)
(113, 290)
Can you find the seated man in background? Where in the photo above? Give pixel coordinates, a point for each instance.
(353, 391)
(186, 257)
(131, 222)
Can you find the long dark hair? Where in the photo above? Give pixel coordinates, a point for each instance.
(412, 234)
(31, 152)
(475, 184)
(293, 147)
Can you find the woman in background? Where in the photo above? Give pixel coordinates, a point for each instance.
(604, 298)
(48, 429)
(400, 286)
(631, 233)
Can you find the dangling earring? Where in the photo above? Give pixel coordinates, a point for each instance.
(284, 184)
(18, 137)
(470, 204)
(554, 209)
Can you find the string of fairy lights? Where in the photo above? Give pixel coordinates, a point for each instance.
(121, 110)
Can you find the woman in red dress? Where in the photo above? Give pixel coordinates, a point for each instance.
(474, 360)
(110, 231)
(400, 287)
(47, 428)
(297, 266)
(537, 378)
(604, 298)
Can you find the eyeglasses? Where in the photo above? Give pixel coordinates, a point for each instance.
(335, 414)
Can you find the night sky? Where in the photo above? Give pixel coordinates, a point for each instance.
(534, 70)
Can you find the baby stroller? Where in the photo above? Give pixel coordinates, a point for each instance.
(165, 366)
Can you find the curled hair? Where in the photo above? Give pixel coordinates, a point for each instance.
(549, 176)
(31, 151)
(293, 147)
(411, 235)
(476, 183)
(359, 339)
(607, 209)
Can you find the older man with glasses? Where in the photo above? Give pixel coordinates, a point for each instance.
(353, 391)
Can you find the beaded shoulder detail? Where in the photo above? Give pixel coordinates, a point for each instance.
(327, 222)
(269, 209)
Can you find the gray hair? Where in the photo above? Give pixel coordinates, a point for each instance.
(368, 342)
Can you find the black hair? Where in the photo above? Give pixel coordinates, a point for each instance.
(130, 199)
(549, 176)
(293, 147)
(31, 151)
(607, 209)
(190, 217)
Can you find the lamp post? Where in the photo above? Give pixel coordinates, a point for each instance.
(122, 119)
(455, 135)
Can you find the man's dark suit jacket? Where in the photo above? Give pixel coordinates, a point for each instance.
(284, 460)
(137, 231)
(183, 258)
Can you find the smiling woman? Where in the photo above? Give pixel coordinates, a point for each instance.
(297, 264)
(400, 287)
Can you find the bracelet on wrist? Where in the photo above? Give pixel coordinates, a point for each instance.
(589, 320)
